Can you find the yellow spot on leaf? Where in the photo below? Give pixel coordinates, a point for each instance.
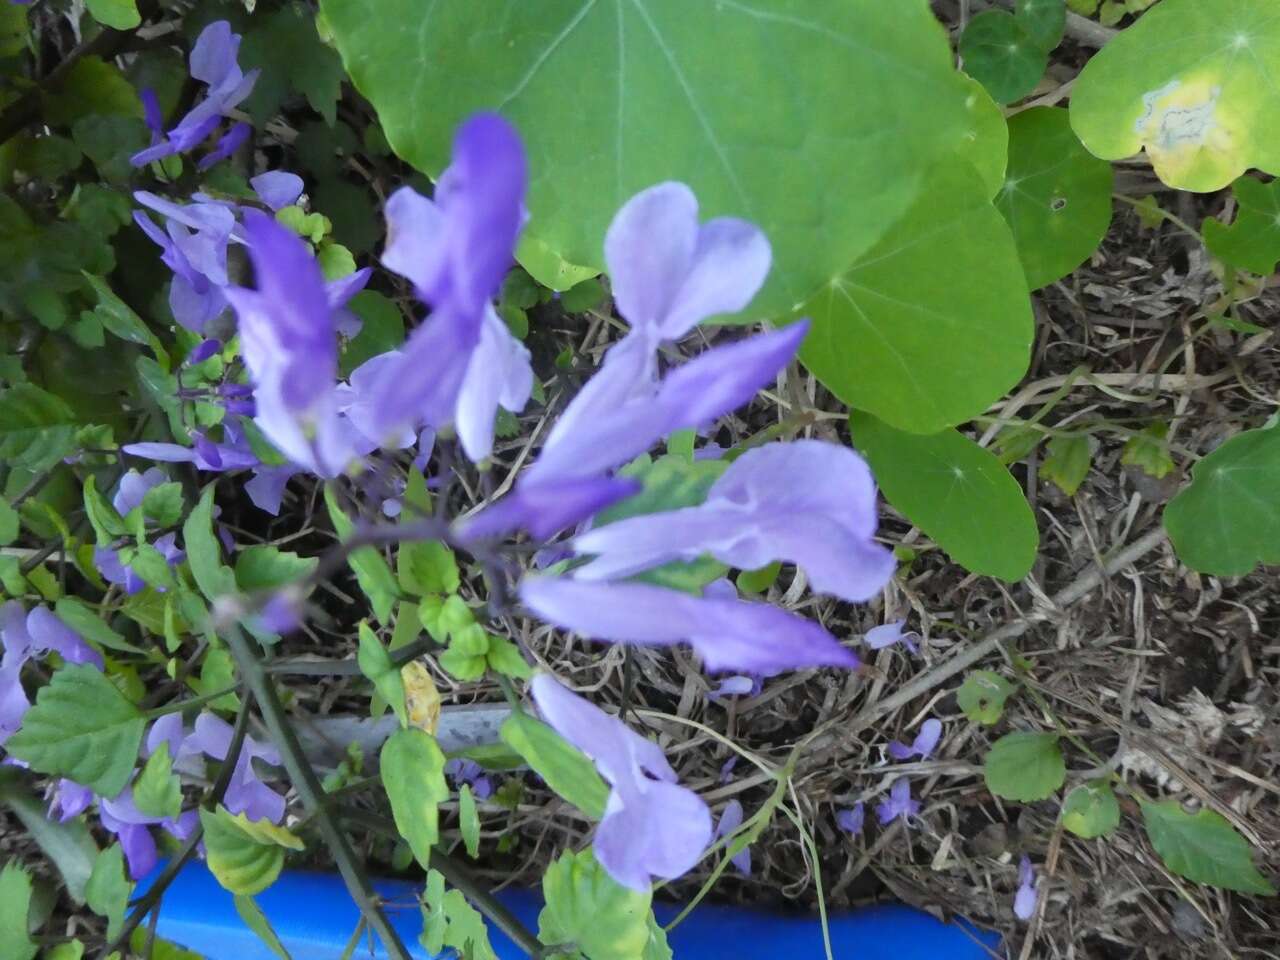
(421, 698)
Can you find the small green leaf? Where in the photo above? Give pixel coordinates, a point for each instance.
(335, 261)
(82, 728)
(469, 821)
(204, 551)
(118, 14)
(1091, 810)
(264, 567)
(382, 329)
(107, 524)
(1066, 463)
(1025, 766)
(245, 855)
(1252, 241)
(1002, 55)
(163, 504)
(566, 769)
(1203, 847)
(257, 921)
(758, 581)
(583, 296)
(1148, 450)
(448, 920)
(118, 317)
(108, 890)
(588, 908)
(9, 523)
(413, 776)
(371, 570)
(958, 493)
(1228, 519)
(15, 910)
(157, 792)
(375, 663)
(504, 657)
(76, 615)
(982, 696)
(427, 567)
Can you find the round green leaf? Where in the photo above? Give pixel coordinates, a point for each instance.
(1056, 196)
(956, 492)
(82, 728)
(1091, 810)
(934, 323)
(984, 138)
(1195, 83)
(1043, 20)
(412, 766)
(982, 696)
(245, 855)
(1000, 54)
(120, 14)
(1252, 242)
(1203, 847)
(1228, 519)
(588, 908)
(612, 98)
(1025, 766)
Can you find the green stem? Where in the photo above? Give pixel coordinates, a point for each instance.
(180, 705)
(310, 790)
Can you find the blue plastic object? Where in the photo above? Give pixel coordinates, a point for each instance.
(314, 917)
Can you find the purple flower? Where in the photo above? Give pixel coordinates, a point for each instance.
(289, 341)
(1024, 901)
(211, 736)
(852, 820)
(133, 487)
(899, 803)
(193, 245)
(69, 799)
(456, 249)
(542, 509)
(203, 351)
(923, 745)
(756, 514)
(726, 769)
(357, 399)
(266, 489)
(121, 816)
(731, 820)
(737, 686)
(652, 826)
(887, 634)
(228, 143)
(151, 114)
(213, 62)
(462, 770)
(277, 188)
(26, 636)
(727, 634)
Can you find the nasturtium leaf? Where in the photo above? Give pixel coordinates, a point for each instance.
(1042, 20)
(469, 821)
(651, 102)
(375, 663)
(382, 329)
(566, 769)
(934, 323)
(1091, 810)
(1066, 462)
(1203, 847)
(108, 889)
(982, 696)
(588, 908)
(1228, 519)
(958, 493)
(1000, 53)
(157, 792)
(412, 766)
(15, 911)
(984, 137)
(37, 429)
(1025, 766)
(120, 14)
(1194, 82)
(584, 296)
(245, 855)
(204, 551)
(1252, 241)
(1056, 196)
(257, 921)
(81, 728)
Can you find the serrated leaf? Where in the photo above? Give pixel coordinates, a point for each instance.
(896, 333)
(119, 318)
(1148, 450)
(448, 920)
(1200, 108)
(157, 791)
(76, 615)
(107, 892)
(163, 504)
(469, 821)
(15, 909)
(1252, 241)
(565, 769)
(257, 921)
(1056, 196)
(412, 768)
(37, 429)
(375, 663)
(1091, 810)
(245, 855)
(81, 728)
(1066, 462)
(204, 551)
(956, 492)
(1002, 55)
(1025, 766)
(1228, 519)
(427, 567)
(505, 657)
(982, 696)
(1203, 847)
(371, 570)
(588, 908)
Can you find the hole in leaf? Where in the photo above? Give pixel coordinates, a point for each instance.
(1057, 203)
